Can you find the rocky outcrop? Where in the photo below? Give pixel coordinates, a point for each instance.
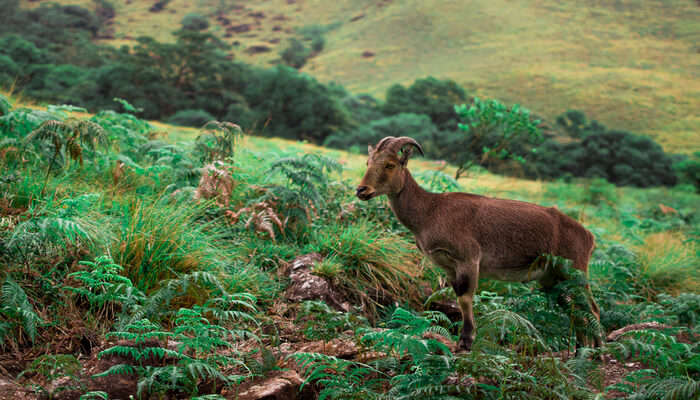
(307, 286)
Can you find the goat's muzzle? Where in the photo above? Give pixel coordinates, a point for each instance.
(364, 193)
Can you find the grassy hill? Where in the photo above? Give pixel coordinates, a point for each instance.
(631, 64)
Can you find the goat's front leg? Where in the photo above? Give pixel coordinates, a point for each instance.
(464, 285)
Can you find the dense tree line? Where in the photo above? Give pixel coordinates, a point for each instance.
(47, 53)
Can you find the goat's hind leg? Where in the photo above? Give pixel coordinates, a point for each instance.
(556, 274)
(464, 275)
(464, 286)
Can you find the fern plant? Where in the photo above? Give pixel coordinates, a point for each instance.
(5, 105)
(198, 364)
(17, 315)
(200, 339)
(52, 367)
(57, 226)
(339, 378)
(307, 183)
(104, 287)
(147, 350)
(125, 131)
(319, 321)
(217, 141)
(69, 138)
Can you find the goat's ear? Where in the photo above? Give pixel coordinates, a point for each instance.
(405, 155)
(370, 149)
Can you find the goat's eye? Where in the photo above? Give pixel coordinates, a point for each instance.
(389, 166)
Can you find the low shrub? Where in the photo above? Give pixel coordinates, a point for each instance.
(194, 22)
(430, 96)
(196, 118)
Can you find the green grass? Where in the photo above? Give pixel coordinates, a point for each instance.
(631, 64)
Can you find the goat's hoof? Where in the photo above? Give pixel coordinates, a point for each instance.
(464, 345)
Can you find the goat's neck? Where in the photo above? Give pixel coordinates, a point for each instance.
(411, 203)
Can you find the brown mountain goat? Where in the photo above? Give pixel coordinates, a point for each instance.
(472, 236)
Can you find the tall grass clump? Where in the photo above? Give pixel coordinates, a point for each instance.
(375, 266)
(670, 263)
(159, 241)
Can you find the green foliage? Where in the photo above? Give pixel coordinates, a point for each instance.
(490, 131)
(404, 337)
(190, 118)
(430, 96)
(294, 106)
(194, 22)
(18, 319)
(378, 267)
(57, 227)
(340, 379)
(217, 141)
(685, 308)
(56, 366)
(575, 123)
(599, 191)
(619, 157)
(418, 126)
(95, 395)
(412, 357)
(157, 242)
(412, 365)
(306, 186)
(128, 107)
(438, 181)
(314, 34)
(689, 170)
(104, 287)
(362, 110)
(69, 139)
(200, 332)
(295, 54)
(319, 321)
(5, 105)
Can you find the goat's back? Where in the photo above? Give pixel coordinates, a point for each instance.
(511, 234)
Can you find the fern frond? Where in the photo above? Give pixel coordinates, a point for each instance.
(5, 105)
(119, 369)
(504, 324)
(93, 395)
(678, 389)
(15, 305)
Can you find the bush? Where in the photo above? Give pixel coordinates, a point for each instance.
(294, 105)
(195, 118)
(575, 123)
(689, 170)
(418, 126)
(295, 54)
(362, 109)
(433, 97)
(490, 132)
(194, 22)
(620, 157)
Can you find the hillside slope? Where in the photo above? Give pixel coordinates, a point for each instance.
(631, 64)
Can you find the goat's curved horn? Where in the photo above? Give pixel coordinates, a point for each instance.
(399, 142)
(383, 142)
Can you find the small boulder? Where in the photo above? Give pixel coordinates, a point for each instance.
(283, 385)
(307, 286)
